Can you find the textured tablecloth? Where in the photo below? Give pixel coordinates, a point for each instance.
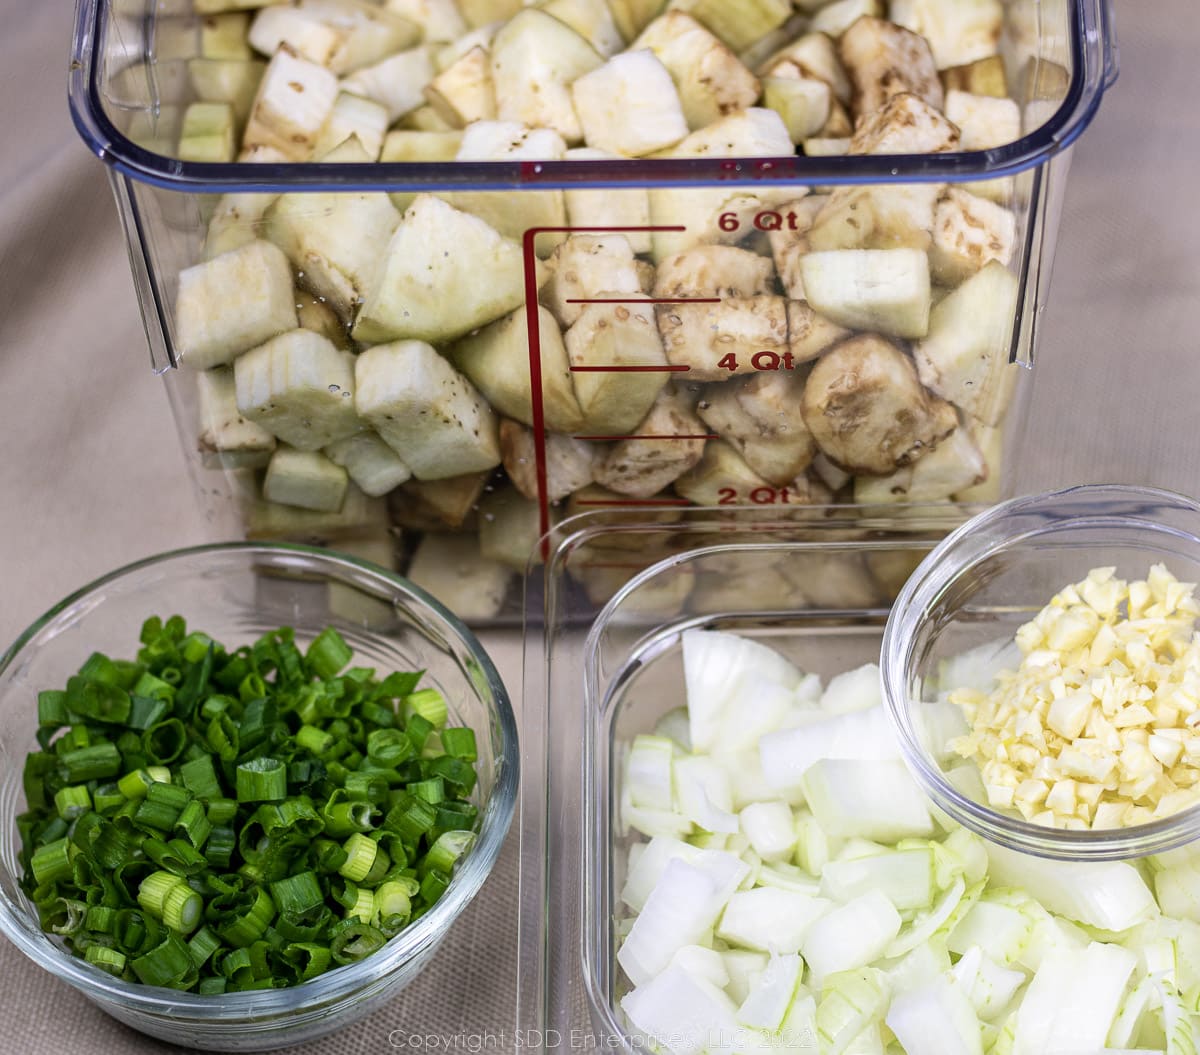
(92, 476)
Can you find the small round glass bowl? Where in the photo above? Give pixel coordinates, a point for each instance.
(236, 592)
(975, 589)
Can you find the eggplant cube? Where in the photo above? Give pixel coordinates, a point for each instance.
(445, 273)
(300, 387)
(425, 410)
(231, 303)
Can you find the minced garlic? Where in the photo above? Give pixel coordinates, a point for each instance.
(1099, 727)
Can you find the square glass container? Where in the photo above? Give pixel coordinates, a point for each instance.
(574, 427)
(590, 691)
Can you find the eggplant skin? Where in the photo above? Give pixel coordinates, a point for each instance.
(867, 410)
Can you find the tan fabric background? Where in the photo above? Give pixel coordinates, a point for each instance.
(91, 474)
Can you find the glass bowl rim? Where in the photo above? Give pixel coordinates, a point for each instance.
(341, 982)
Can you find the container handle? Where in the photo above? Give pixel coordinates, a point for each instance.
(1108, 42)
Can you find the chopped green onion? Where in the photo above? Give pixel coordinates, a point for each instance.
(168, 963)
(328, 653)
(356, 942)
(52, 861)
(261, 780)
(429, 704)
(52, 708)
(96, 762)
(450, 846)
(360, 856)
(460, 742)
(110, 960)
(289, 812)
(72, 801)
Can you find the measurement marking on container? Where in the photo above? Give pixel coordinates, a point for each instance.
(642, 502)
(533, 326)
(648, 436)
(644, 300)
(681, 369)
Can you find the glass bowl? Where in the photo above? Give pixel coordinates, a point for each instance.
(235, 592)
(977, 587)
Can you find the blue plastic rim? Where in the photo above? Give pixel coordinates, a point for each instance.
(1094, 65)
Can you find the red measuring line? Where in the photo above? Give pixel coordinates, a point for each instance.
(644, 300)
(533, 323)
(607, 439)
(629, 369)
(650, 502)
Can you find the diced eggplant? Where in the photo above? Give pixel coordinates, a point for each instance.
(440, 21)
(294, 100)
(513, 214)
(620, 335)
(353, 115)
(303, 32)
(207, 134)
(334, 240)
(223, 36)
(371, 463)
(883, 60)
(804, 103)
(535, 60)
(891, 216)
(883, 290)
(965, 358)
(835, 18)
(714, 271)
(436, 505)
(709, 77)
(591, 19)
(583, 264)
(369, 32)
(300, 387)
(227, 440)
(667, 443)
(451, 568)
(905, 124)
(629, 105)
(813, 55)
(496, 359)
(983, 122)
(740, 23)
(761, 419)
(955, 465)
(463, 92)
(397, 81)
(958, 31)
(570, 463)
(968, 233)
(233, 302)
(607, 208)
(983, 77)
(718, 340)
(232, 81)
(509, 528)
(437, 248)
(721, 477)
(866, 408)
(306, 479)
(810, 334)
(425, 410)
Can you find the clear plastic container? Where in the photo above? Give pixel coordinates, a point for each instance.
(979, 586)
(591, 687)
(754, 369)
